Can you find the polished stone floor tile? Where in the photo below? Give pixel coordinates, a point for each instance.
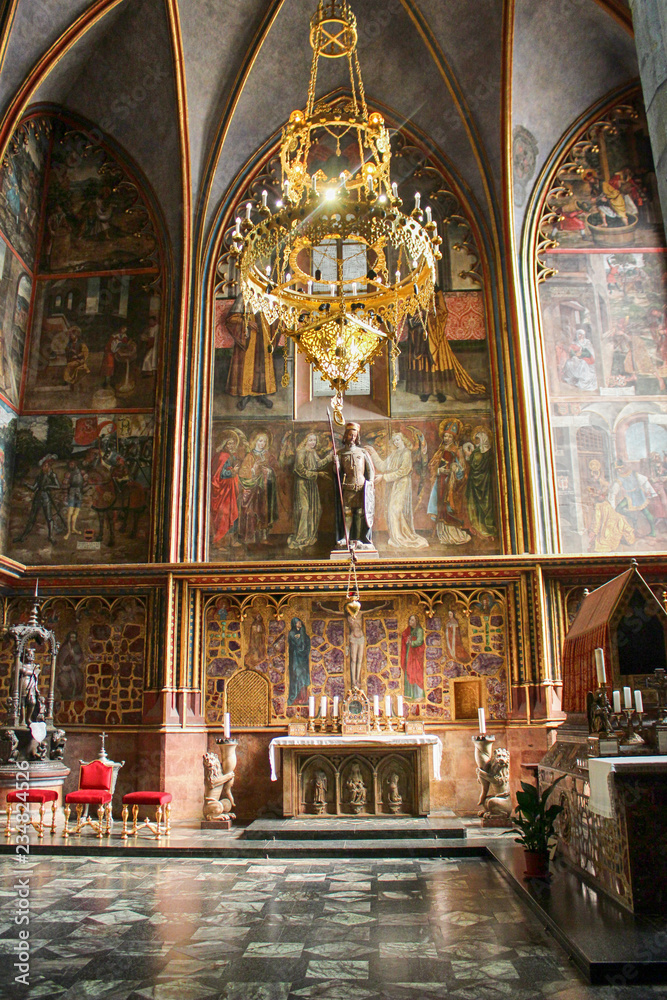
(381, 929)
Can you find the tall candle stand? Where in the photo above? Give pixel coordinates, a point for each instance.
(311, 724)
(389, 724)
(376, 722)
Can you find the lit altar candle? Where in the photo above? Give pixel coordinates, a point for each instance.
(616, 699)
(599, 667)
(627, 698)
(482, 721)
(376, 705)
(335, 706)
(399, 705)
(311, 706)
(639, 704)
(323, 706)
(226, 723)
(387, 705)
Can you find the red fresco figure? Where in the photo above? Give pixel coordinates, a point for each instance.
(225, 491)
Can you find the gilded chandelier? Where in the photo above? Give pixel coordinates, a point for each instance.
(338, 266)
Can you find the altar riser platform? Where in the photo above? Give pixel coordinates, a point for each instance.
(387, 828)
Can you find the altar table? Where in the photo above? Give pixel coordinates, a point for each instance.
(374, 775)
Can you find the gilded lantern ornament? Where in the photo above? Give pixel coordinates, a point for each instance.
(338, 265)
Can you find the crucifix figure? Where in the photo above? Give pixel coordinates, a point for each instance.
(356, 636)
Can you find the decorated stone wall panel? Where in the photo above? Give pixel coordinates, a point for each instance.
(82, 488)
(101, 661)
(310, 645)
(603, 312)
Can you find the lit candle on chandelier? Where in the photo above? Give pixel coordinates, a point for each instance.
(394, 190)
(398, 277)
(323, 706)
(265, 195)
(482, 721)
(311, 707)
(376, 705)
(616, 699)
(639, 704)
(627, 697)
(387, 705)
(310, 288)
(428, 214)
(313, 183)
(237, 231)
(333, 289)
(354, 288)
(599, 666)
(418, 200)
(226, 724)
(248, 210)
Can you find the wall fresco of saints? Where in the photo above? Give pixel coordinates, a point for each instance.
(604, 322)
(392, 647)
(81, 318)
(432, 440)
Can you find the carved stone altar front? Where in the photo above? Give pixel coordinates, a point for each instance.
(353, 778)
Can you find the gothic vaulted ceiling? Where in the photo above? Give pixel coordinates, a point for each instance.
(192, 88)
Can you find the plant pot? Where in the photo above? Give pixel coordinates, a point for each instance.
(537, 864)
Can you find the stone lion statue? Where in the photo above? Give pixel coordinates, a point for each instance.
(218, 798)
(494, 777)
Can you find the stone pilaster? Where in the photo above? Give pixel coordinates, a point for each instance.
(650, 24)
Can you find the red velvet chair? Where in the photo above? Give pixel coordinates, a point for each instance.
(94, 790)
(41, 795)
(162, 803)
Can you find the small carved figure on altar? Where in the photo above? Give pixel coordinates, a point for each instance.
(58, 741)
(494, 777)
(357, 479)
(356, 789)
(598, 710)
(218, 799)
(320, 785)
(394, 798)
(29, 697)
(10, 737)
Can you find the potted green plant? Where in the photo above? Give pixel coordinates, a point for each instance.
(536, 823)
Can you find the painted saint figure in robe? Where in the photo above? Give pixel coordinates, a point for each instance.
(251, 373)
(258, 499)
(256, 642)
(396, 469)
(225, 490)
(479, 485)
(412, 658)
(298, 645)
(357, 475)
(307, 505)
(453, 642)
(432, 366)
(450, 472)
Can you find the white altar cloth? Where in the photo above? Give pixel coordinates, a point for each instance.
(384, 739)
(600, 770)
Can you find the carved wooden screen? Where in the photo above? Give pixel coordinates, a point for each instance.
(248, 699)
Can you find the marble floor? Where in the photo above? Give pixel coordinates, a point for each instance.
(382, 929)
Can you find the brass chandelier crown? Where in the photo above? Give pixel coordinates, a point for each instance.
(338, 265)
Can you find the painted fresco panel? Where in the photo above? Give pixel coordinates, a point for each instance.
(94, 344)
(96, 218)
(15, 291)
(402, 650)
(8, 423)
(82, 489)
(606, 191)
(272, 488)
(604, 324)
(101, 661)
(21, 181)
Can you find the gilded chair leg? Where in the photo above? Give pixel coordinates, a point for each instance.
(40, 825)
(79, 810)
(158, 818)
(124, 813)
(135, 814)
(167, 819)
(66, 827)
(8, 824)
(108, 815)
(53, 817)
(100, 817)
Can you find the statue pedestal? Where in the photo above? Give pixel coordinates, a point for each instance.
(216, 824)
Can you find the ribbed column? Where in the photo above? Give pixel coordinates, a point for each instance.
(650, 23)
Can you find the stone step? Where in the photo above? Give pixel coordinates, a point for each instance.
(355, 829)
